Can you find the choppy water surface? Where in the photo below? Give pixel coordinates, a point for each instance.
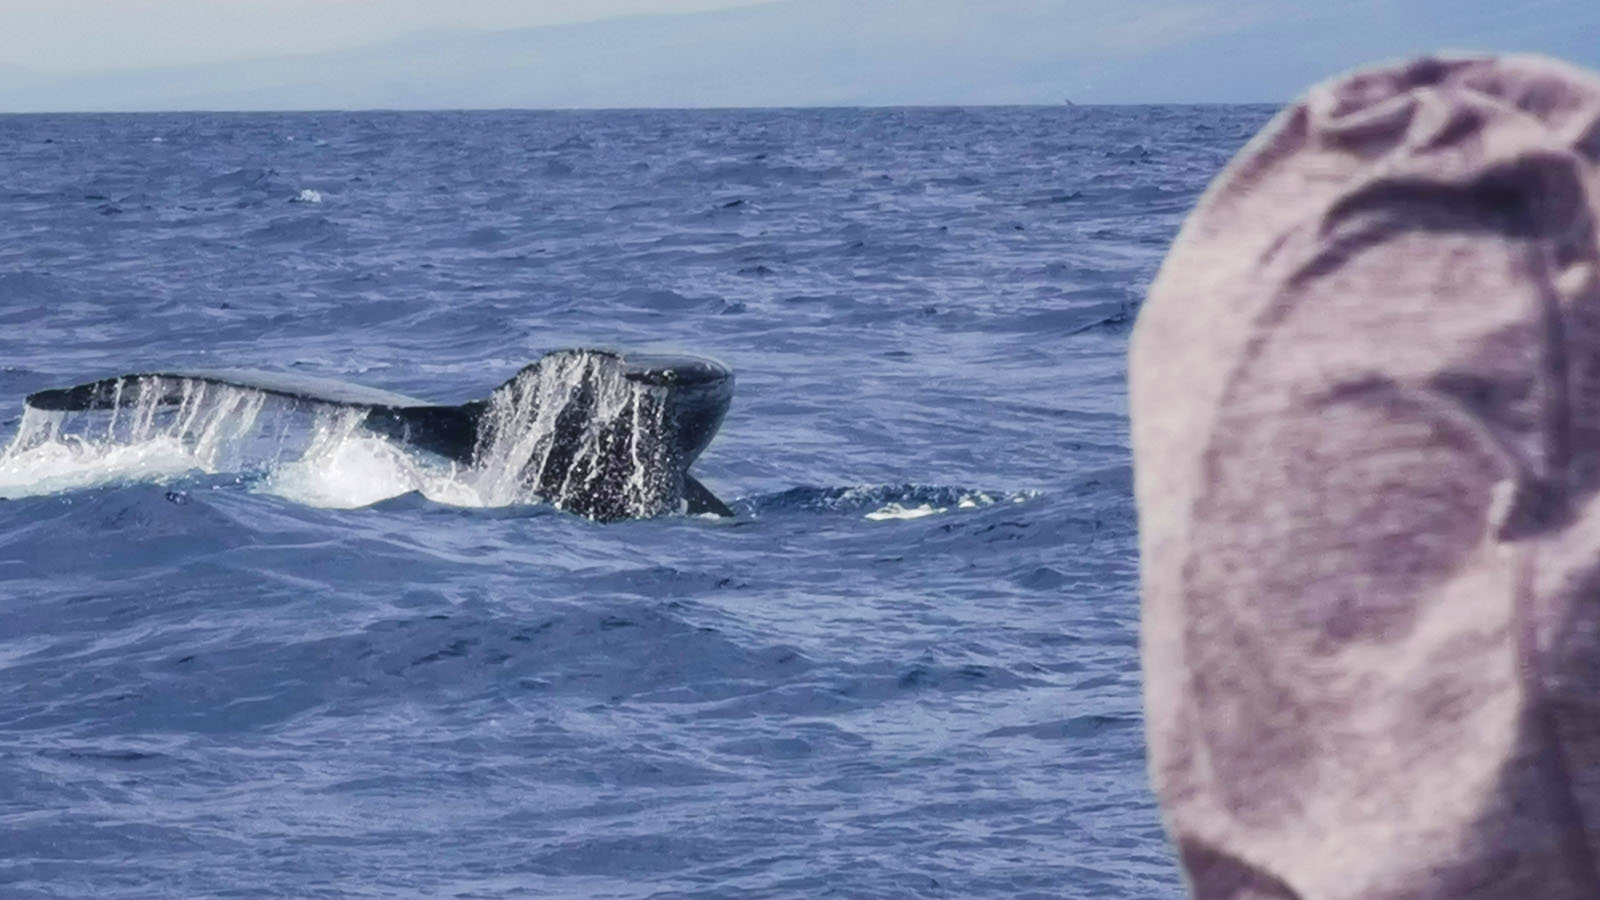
(907, 669)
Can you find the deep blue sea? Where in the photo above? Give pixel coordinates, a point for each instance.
(908, 668)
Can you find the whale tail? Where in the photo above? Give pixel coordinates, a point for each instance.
(593, 432)
(449, 431)
(607, 433)
(699, 501)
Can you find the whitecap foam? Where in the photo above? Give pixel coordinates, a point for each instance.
(896, 511)
(309, 195)
(900, 511)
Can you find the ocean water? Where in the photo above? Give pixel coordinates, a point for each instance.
(907, 668)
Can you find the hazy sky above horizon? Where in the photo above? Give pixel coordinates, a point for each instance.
(103, 55)
(65, 36)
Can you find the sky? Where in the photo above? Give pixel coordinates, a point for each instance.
(62, 36)
(110, 55)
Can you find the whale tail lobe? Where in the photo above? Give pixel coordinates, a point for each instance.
(592, 432)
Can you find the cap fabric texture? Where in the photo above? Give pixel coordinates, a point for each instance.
(1365, 393)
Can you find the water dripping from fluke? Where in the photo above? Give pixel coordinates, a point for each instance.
(593, 432)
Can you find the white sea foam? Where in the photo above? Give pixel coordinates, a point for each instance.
(903, 511)
(897, 511)
(341, 468)
(72, 465)
(309, 195)
(344, 467)
(158, 429)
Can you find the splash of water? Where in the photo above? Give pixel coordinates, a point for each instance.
(572, 431)
(157, 429)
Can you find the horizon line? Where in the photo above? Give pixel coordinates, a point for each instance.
(580, 109)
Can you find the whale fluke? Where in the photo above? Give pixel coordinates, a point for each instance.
(599, 433)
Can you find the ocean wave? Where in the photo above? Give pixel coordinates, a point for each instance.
(876, 502)
(308, 666)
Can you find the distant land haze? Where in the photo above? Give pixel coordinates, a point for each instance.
(849, 53)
